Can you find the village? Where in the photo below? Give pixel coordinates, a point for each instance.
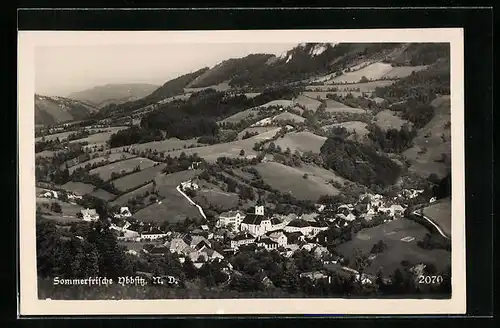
(238, 231)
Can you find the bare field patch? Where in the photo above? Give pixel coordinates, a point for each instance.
(103, 195)
(123, 199)
(78, 188)
(400, 72)
(113, 157)
(440, 214)
(302, 141)
(373, 71)
(309, 103)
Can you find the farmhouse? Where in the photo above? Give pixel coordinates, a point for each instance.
(189, 185)
(153, 234)
(50, 194)
(243, 238)
(178, 246)
(317, 227)
(155, 250)
(89, 215)
(233, 218)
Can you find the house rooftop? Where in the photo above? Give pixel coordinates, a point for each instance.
(254, 219)
(243, 236)
(231, 214)
(299, 224)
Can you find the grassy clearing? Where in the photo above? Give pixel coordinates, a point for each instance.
(352, 126)
(391, 233)
(97, 138)
(363, 87)
(173, 207)
(103, 195)
(429, 145)
(309, 103)
(62, 136)
(250, 95)
(373, 71)
(113, 157)
(134, 180)
(165, 145)
(301, 141)
(291, 180)
(230, 149)
(179, 97)
(123, 166)
(403, 71)
(68, 214)
(387, 119)
(333, 106)
(287, 116)
(224, 86)
(209, 194)
(46, 153)
(78, 188)
(256, 129)
(123, 199)
(440, 213)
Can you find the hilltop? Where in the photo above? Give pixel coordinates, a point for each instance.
(100, 96)
(54, 110)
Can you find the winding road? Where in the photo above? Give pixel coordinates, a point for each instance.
(191, 201)
(431, 222)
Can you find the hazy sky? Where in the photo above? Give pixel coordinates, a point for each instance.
(64, 69)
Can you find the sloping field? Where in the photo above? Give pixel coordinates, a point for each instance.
(113, 157)
(215, 197)
(398, 250)
(134, 180)
(287, 116)
(179, 97)
(321, 173)
(240, 116)
(301, 141)
(352, 126)
(103, 195)
(123, 166)
(68, 214)
(78, 188)
(230, 149)
(280, 102)
(224, 86)
(164, 145)
(250, 95)
(112, 129)
(333, 106)
(403, 71)
(46, 153)
(257, 129)
(173, 207)
(291, 180)
(429, 138)
(387, 119)
(308, 103)
(440, 214)
(123, 199)
(363, 87)
(372, 72)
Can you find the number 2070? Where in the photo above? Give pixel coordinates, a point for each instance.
(430, 280)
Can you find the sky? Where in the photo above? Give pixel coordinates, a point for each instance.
(60, 70)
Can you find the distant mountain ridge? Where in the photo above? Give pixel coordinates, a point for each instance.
(100, 96)
(54, 110)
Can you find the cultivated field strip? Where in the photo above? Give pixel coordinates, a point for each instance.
(125, 166)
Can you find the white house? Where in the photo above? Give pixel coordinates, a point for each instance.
(278, 237)
(232, 217)
(50, 194)
(349, 217)
(123, 213)
(267, 243)
(432, 200)
(89, 215)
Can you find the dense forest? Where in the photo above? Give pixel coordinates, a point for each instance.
(231, 68)
(195, 117)
(359, 163)
(392, 140)
(423, 54)
(303, 65)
